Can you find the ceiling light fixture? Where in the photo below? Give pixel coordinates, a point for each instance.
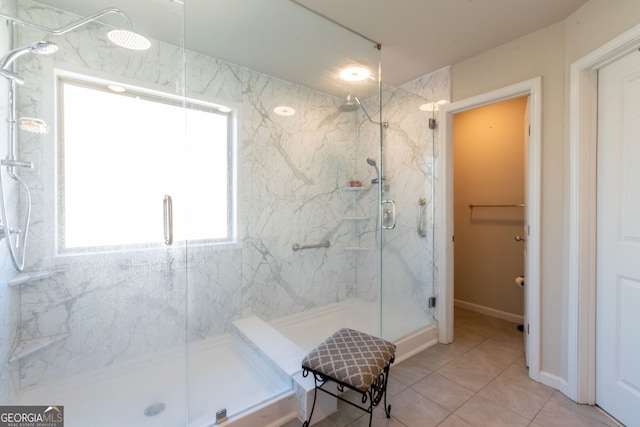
(433, 106)
(355, 73)
(283, 110)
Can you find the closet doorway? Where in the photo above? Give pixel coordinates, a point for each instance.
(529, 236)
(488, 198)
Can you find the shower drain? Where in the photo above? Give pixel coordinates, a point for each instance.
(154, 409)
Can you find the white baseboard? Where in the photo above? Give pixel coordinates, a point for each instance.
(551, 380)
(511, 317)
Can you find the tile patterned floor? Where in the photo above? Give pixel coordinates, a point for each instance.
(479, 380)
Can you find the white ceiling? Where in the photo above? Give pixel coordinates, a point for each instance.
(417, 36)
(422, 36)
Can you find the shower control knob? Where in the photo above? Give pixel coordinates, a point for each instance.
(519, 239)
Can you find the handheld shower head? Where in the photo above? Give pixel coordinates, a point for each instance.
(43, 48)
(38, 48)
(372, 162)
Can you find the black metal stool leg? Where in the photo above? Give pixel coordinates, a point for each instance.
(307, 423)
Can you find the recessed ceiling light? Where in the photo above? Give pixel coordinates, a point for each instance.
(117, 88)
(283, 110)
(355, 73)
(433, 106)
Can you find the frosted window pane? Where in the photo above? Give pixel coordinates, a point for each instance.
(122, 154)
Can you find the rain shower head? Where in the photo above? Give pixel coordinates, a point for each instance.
(129, 40)
(122, 37)
(38, 48)
(351, 104)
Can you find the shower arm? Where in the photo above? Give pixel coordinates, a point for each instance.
(71, 26)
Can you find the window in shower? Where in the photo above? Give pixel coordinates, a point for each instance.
(122, 152)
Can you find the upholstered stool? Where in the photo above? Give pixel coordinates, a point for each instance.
(354, 360)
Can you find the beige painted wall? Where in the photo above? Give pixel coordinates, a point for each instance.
(488, 151)
(549, 53)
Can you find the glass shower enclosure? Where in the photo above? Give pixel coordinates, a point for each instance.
(205, 211)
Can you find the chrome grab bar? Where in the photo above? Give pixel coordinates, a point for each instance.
(298, 247)
(168, 220)
(422, 211)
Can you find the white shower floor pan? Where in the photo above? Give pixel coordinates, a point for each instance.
(221, 373)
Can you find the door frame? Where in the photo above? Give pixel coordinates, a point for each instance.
(444, 214)
(581, 298)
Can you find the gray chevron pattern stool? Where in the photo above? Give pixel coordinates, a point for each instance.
(355, 360)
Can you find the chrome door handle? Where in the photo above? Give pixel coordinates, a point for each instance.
(168, 220)
(519, 239)
(388, 214)
(422, 229)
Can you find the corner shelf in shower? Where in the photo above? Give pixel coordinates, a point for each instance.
(32, 276)
(28, 347)
(356, 188)
(356, 248)
(356, 218)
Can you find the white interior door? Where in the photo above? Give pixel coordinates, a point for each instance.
(618, 240)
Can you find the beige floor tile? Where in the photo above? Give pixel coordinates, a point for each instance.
(561, 407)
(510, 336)
(394, 386)
(467, 337)
(346, 413)
(482, 412)
(443, 391)
(409, 371)
(479, 380)
(474, 369)
(555, 415)
(518, 374)
(454, 421)
(480, 329)
(505, 353)
(452, 350)
(414, 410)
(510, 395)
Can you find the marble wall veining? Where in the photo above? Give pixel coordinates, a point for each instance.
(291, 177)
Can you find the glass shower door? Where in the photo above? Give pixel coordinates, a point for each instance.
(406, 197)
(102, 304)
